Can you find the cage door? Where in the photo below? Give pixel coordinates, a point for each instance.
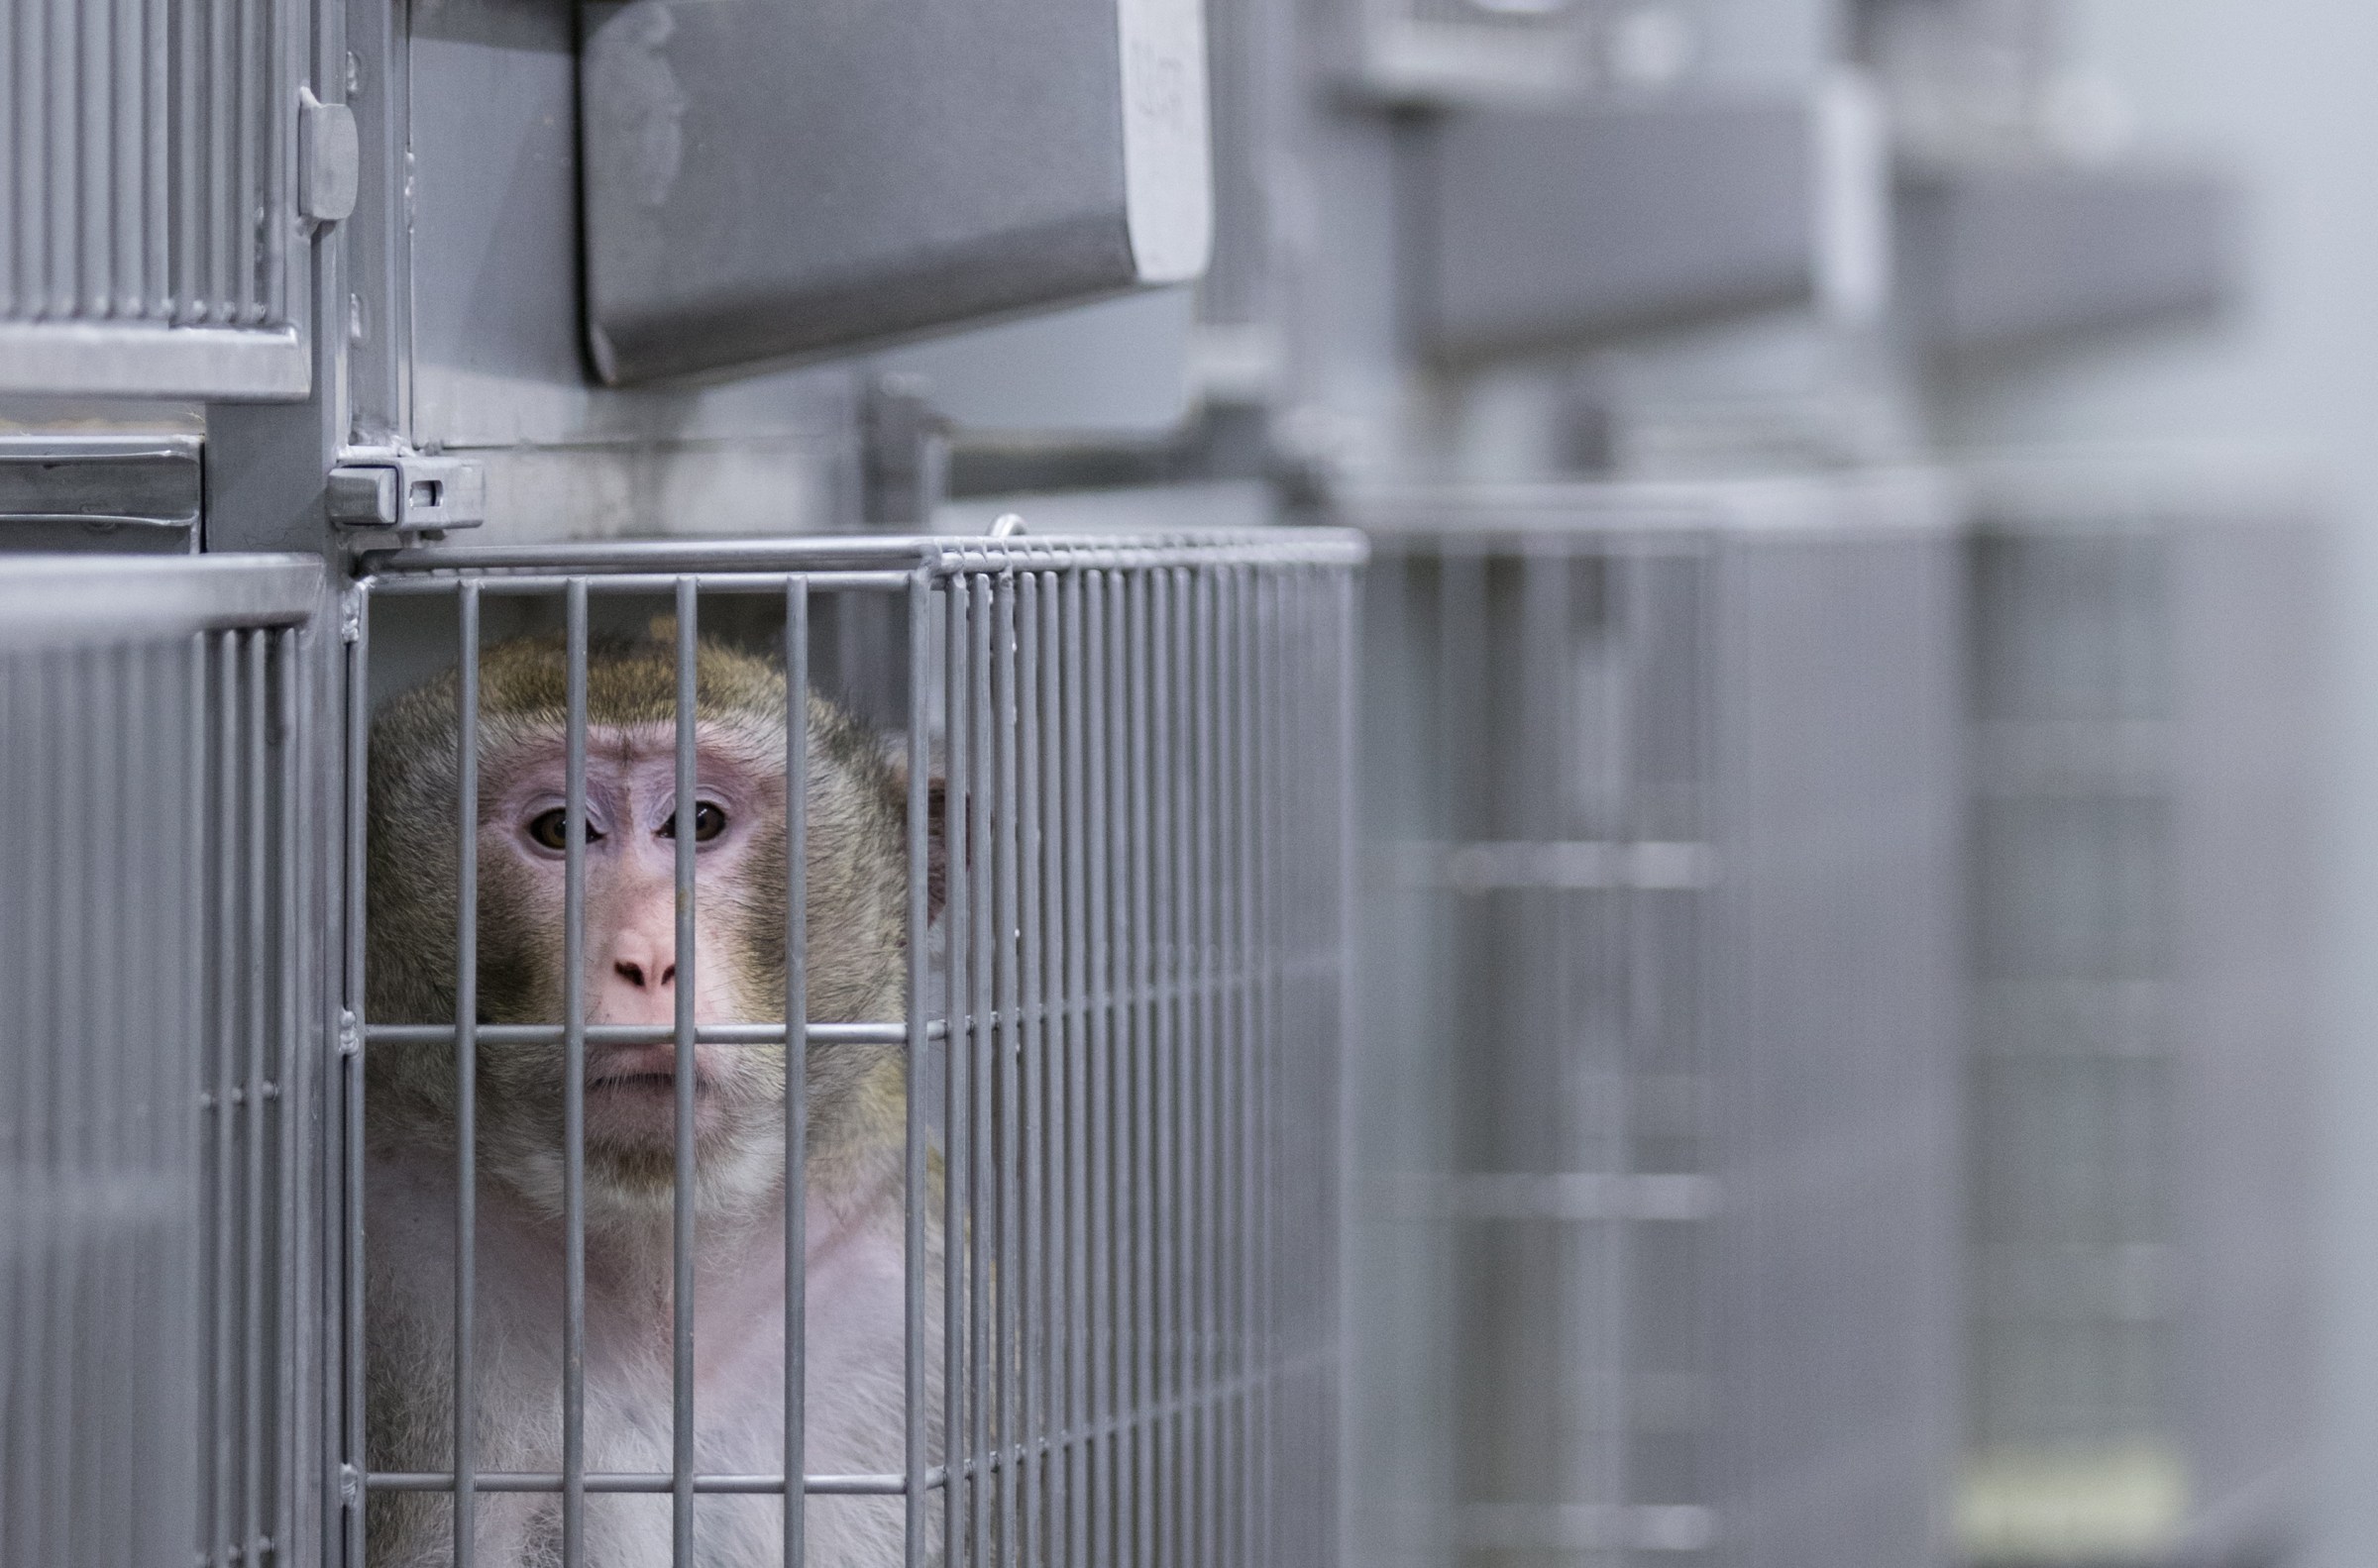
(150, 234)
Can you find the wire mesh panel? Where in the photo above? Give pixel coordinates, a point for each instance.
(148, 177)
(1034, 1261)
(1658, 1071)
(157, 1324)
(2139, 1084)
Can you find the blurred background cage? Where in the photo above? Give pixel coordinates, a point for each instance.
(1655, 1247)
(2142, 700)
(1121, 1035)
(161, 1230)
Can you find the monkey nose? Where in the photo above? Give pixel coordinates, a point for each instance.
(633, 973)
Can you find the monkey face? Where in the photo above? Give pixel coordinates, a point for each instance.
(632, 965)
(856, 902)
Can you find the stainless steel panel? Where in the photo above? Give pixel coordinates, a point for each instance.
(1543, 227)
(763, 181)
(1655, 1209)
(146, 172)
(2001, 257)
(157, 1373)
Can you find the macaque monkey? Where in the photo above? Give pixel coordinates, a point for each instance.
(857, 972)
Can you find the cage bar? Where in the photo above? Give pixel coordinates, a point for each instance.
(1659, 902)
(1090, 1075)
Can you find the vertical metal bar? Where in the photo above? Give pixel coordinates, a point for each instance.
(1168, 859)
(62, 227)
(957, 1001)
(1209, 1050)
(916, 1194)
(224, 1446)
(1141, 1119)
(1077, 825)
(797, 1063)
(681, 1236)
(1009, 1275)
(981, 794)
(1246, 964)
(350, 1454)
(1273, 732)
(1102, 765)
(466, 1075)
(1030, 1295)
(259, 1010)
(96, 194)
(574, 1075)
(292, 1075)
(156, 163)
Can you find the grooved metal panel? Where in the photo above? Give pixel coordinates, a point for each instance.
(1654, 1125)
(158, 1366)
(149, 241)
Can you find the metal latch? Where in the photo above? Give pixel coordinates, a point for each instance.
(407, 492)
(329, 159)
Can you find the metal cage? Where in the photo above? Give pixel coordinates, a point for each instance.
(2142, 940)
(159, 1275)
(1116, 1319)
(1654, 1128)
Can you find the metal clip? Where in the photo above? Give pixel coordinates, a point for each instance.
(406, 492)
(351, 616)
(351, 1487)
(351, 1035)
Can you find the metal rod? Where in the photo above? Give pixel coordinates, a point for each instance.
(466, 1072)
(915, 1194)
(654, 1483)
(574, 1077)
(797, 1063)
(351, 1077)
(259, 1009)
(647, 1034)
(681, 1237)
(1007, 1212)
(538, 584)
(957, 939)
(983, 1049)
(1026, 1112)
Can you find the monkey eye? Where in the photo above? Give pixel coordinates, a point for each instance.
(709, 822)
(552, 829)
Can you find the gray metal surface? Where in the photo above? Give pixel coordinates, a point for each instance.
(1122, 1034)
(1542, 227)
(2000, 256)
(2141, 1104)
(137, 493)
(159, 1374)
(1653, 1126)
(152, 243)
(764, 181)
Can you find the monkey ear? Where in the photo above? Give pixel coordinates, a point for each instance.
(936, 805)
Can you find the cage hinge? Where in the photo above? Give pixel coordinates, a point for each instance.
(384, 487)
(351, 1036)
(351, 1487)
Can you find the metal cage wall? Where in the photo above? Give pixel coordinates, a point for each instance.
(1653, 1132)
(160, 1374)
(2142, 939)
(1115, 1309)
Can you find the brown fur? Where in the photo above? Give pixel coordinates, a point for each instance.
(857, 972)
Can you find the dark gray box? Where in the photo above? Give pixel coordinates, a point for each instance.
(765, 179)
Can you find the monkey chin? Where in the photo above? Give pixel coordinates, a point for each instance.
(631, 1145)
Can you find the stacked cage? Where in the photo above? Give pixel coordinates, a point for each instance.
(160, 1224)
(2142, 942)
(1117, 1170)
(1653, 1184)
